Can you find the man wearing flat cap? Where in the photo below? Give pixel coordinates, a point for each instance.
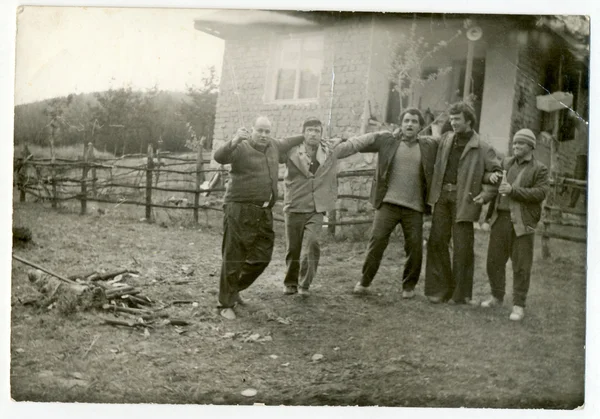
(310, 191)
(517, 211)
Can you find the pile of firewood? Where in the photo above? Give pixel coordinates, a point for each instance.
(114, 288)
(97, 290)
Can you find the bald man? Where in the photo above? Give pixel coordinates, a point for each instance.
(248, 235)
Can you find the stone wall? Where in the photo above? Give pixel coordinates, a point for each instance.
(532, 62)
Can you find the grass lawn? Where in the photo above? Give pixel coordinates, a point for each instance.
(377, 350)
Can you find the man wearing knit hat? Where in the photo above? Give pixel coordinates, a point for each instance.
(517, 210)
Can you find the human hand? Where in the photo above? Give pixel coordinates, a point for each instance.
(479, 199)
(240, 135)
(505, 188)
(495, 177)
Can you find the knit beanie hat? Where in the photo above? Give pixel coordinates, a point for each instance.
(525, 135)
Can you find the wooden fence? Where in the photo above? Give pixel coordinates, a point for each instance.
(112, 181)
(107, 181)
(563, 217)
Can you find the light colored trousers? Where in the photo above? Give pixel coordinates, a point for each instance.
(302, 232)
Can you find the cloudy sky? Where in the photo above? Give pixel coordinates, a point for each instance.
(62, 50)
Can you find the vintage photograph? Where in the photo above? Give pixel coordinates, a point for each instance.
(299, 208)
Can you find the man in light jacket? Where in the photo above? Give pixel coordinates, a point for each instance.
(463, 163)
(310, 191)
(517, 211)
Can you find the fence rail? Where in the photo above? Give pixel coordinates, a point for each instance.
(112, 181)
(139, 184)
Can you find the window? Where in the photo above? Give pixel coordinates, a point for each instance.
(296, 69)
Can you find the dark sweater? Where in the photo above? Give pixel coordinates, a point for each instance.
(254, 173)
(458, 147)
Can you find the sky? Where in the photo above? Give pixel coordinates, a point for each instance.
(63, 50)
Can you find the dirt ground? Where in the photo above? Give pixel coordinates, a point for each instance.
(376, 350)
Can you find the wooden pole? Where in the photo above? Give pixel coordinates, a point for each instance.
(149, 168)
(21, 174)
(84, 173)
(553, 166)
(469, 70)
(41, 268)
(158, 150)
(199, 178)
(91, 159)
(52, 168)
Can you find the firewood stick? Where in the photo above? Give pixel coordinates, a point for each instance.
(179, 322)
(111, 275)
(137, 300)
(126, 309)
(115, 322)
(49, 272)
(182, 302)
(81, 276)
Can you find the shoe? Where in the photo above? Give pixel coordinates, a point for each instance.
(491, 302)
(517, 314)
(472, 302)
(303, 291)
(408, 294)
(360, 289)
(227, 313)
(289, 290)
(435, 299)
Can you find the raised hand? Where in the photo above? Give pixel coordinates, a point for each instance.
(241, 134)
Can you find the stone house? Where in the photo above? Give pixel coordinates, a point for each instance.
(336, 66)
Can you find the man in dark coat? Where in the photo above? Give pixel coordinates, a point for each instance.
(517, 211)
(463, 163)
(403, 175)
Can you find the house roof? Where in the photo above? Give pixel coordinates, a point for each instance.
(236, 23)
(233, 23)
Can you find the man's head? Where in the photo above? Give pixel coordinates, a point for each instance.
(523, 143)
(312, 128)
(462, 117)
(261, 131)
(411, 122)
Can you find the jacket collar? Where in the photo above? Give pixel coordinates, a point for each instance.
(299, 156)
(472, 143)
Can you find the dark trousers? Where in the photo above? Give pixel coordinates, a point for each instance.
(302, 231)
(386, 219)
(505, 244)
(248, 240)
(442, 278)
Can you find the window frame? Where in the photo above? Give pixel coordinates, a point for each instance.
(274, 67)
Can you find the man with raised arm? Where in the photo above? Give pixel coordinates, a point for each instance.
(402, 179)
(248, 235)
(310, 191)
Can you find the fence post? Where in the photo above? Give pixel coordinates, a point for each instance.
(199, 179)
(158, 162)
(21, 174)
(84, 173)
(149, 168)
(331, 219)
(91, 159)
(545, 243)
(52, 168)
